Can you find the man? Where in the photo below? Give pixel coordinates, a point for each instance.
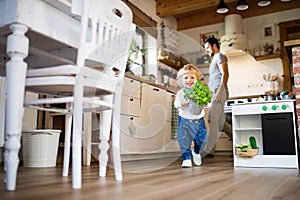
(218, 72)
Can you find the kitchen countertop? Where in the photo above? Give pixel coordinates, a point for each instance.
(169, 89)
(264, 102)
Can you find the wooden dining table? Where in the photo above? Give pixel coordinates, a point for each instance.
(32, 33)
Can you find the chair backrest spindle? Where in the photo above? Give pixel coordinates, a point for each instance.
(106, 24)
(107, 33)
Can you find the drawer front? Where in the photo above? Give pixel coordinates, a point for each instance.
(131, 88)
(130, 106)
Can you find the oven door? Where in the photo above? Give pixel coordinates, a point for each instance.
(278, 134)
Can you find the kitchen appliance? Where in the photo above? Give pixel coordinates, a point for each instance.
(274, 125)
(278, 134)
(228, 104)
(234, 42)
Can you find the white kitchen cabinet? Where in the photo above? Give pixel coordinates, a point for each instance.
(146, 115)
(273, 124)
(224, 143)
(131, 97)
(131, 134)
(131, 130)
(154, 116)
(132, 88)
(130, 106)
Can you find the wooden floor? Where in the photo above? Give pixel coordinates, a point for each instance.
(160, 179)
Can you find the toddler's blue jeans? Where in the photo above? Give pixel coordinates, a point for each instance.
(191, 130)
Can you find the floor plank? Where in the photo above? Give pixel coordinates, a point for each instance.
(160, 179)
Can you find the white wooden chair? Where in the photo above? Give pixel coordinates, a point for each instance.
(95, 80)
(2, 109)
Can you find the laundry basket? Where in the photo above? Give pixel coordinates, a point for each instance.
(40, 147)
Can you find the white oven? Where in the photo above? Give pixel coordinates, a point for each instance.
(228, 104)
(274, 125)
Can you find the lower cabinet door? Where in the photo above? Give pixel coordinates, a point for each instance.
(170, 144)
(131, 133)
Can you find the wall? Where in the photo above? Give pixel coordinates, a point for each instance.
(246, 73)
(296, 71)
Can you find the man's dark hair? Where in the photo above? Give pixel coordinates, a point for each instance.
(212, 40)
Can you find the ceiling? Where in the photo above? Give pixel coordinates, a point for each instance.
(196, 13)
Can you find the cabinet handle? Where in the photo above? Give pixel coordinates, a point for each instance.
(155, 89)
(131, 118)
(131, 81)
(131, 99)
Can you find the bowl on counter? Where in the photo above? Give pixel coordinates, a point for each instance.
(284, 97)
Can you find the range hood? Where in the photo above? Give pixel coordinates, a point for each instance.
(234, 42)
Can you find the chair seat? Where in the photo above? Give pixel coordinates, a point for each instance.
(63, 70)
(97, 104)
(60, 80)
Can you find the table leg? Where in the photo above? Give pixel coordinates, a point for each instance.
(17, 50)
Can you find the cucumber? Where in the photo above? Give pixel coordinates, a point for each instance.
(252, 141)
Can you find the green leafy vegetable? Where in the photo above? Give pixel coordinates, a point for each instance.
(252, 141)
(199, 93)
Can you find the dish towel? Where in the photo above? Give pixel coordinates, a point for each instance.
(174, 122)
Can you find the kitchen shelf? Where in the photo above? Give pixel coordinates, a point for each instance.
(171, 59)
(170, 63)
(269, 56)
(248, 129)
(203, 65)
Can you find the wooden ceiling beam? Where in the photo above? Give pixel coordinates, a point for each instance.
(165, 8)
(209, 15)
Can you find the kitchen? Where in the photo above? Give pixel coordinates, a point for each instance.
(256, 78)
(246, 70)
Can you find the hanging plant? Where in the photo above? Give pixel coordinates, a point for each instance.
(134, 49)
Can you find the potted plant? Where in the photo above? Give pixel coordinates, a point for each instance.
(134, 51)
(199, 95)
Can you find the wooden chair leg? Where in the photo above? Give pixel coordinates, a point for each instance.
(87, 140)
(116, 135)
(104, 131)
(77, 134)
(67, 145)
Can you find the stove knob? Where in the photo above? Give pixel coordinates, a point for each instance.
(284, 107)
(264, 108)
(274, 107)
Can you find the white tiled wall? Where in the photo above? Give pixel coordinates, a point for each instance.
(246, 75)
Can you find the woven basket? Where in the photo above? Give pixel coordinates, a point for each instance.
(246, 154)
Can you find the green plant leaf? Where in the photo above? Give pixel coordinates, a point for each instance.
(199, 93)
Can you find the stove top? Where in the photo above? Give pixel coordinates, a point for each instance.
(230, 102)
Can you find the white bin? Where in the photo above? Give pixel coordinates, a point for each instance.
(40, 148)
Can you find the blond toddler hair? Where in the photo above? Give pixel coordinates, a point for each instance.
(188, 68)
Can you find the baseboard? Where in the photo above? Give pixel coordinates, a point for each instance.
(131, 157)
